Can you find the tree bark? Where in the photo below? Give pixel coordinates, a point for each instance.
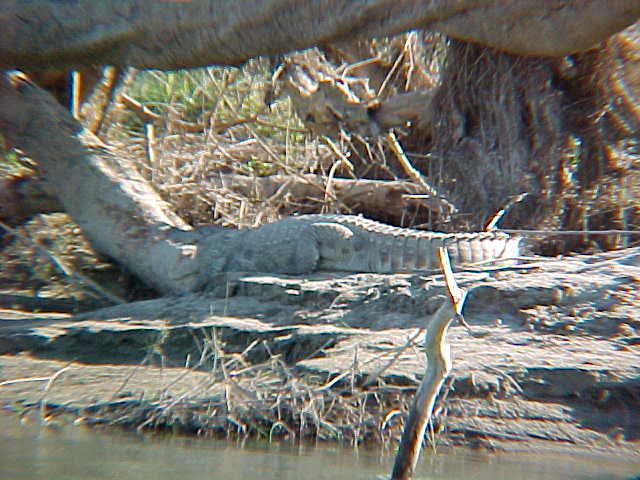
(121, 215)
(503, 125)
(171, 34)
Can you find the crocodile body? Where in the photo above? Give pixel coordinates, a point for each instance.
(325, 242)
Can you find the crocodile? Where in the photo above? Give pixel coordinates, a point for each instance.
(347, 243)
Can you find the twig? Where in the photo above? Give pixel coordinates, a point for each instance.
(393, 69)
(393, 359)
(342, 161)
(571, 232)
(112, 79)
(491, 224)
(76, 89)
(152, 157)
(438, 367)
(144, 113)
(24, 380)
(507, 377)
(415, 175)
(47, 387)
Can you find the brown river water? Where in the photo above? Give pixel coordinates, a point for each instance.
(30, 452)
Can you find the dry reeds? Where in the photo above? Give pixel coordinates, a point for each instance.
(223, 395)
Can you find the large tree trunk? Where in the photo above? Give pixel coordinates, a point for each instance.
(496, 132)
(121, 215)
(565, 131)
(176, 34)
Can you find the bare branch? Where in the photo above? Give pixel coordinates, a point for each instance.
(438, 366)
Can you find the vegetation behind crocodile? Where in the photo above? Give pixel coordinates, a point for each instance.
(327, 242)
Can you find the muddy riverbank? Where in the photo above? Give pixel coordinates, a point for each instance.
(552, 362)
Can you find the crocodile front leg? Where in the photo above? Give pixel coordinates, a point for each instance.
(287, 246)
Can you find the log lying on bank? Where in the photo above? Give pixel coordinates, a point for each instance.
(22, 197)
(119, 212)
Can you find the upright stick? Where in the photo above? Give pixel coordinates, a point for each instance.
(438, 358)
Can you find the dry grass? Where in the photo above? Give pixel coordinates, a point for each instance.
(207, 122)
(224, 395)
(47, 265)
(212, 121)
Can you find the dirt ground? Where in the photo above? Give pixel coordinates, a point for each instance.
(552, 362)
